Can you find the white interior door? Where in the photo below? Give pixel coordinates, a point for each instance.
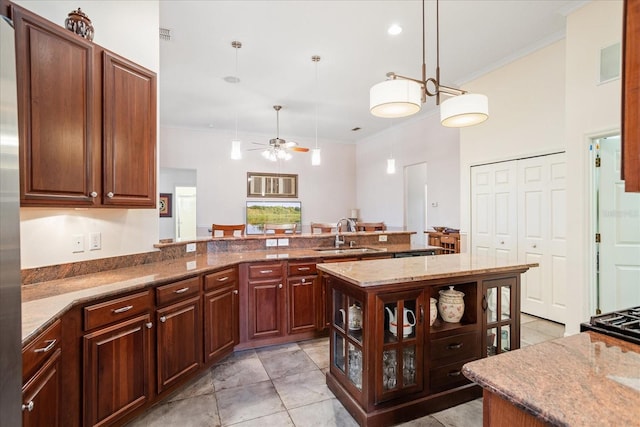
(619, 227)
(494, 211)
(185, 213)
(542, 234)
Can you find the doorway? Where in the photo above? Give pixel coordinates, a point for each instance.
(185, 213)
(617, 228)
(415, 189)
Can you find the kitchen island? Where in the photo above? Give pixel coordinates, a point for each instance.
(588, 379)
(387, 364)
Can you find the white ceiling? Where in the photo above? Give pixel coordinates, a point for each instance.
(279, 37)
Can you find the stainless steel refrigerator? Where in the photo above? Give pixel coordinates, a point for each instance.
(10, 310)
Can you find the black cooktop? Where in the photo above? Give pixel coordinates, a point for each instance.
(623, 324)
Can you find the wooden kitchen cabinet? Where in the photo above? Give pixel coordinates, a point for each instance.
(41, 390)
(118, 362)
(449, 242)
(631, 96)
(303, 291)
(178, 332)
(87, 121)
(221, 304)
(266, 300)
(500, 309)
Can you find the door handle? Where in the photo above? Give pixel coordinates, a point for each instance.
(123, 309)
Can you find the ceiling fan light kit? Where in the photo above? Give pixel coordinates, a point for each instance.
(401, 96)
(278, 148)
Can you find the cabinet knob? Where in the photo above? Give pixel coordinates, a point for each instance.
(279, 285)
(149, 325)
(502, 242)
(110, 195)
(235, 291)
(535, 246)
(93, 194)
(163, 319)
(28, 406)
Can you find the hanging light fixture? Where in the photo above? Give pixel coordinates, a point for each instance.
(402, 96)
(315, 152)
(236, 152)
(391, 162)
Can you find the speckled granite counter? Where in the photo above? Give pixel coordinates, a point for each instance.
(587, 379)
(401, 270)
(44, 302)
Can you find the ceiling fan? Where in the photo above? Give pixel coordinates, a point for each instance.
(278, 148)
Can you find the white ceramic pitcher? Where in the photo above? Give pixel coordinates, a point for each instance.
(407, 324)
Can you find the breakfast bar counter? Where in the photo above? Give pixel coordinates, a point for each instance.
(588, 379)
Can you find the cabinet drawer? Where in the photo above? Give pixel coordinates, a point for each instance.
(114, 310)
(219, 278)
(302, 268)
(448, 239)
(448, 376)
(35, 354)
(455, 348)
(265, 271)
(177, 291)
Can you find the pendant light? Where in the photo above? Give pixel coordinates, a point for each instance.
(315, 152)
(391, 162)
(402, 96)
(236, 152)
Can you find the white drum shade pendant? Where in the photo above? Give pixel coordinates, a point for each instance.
(464, 110)
(395, 98)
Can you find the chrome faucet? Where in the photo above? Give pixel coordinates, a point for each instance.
(350, 225)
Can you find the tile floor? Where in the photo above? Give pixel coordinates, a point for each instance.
(285, 386)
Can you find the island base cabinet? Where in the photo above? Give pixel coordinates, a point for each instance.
(41, 395)
(221, 331)
(117, 367)
(497, 412)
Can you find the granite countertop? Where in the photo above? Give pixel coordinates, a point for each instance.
(587, 379)
(400, 270)
(44, 302)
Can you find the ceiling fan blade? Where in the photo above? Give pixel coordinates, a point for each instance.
(260, 143)
(255, 149)
(290, 144)
(299, 149)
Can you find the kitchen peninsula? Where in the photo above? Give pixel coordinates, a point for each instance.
(384, 377)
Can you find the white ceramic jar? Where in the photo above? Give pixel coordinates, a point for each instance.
(451, 305)
(433, 311)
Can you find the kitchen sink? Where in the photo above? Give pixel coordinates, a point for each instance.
(356, 250)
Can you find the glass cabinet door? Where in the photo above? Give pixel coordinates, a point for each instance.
(347, 330)
(500, 308)
(400, 323)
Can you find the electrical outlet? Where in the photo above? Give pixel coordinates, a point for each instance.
(95, 241)
(283, 242)
(272, 243)
(382, 238)
(77, 243)
(191, 265)
(191, 247)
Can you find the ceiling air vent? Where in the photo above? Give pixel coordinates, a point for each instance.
(165, 34)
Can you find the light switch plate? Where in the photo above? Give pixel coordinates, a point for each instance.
(272, 243)
(191, 247)
(95, 241)
(283, 242)
(191, 265)
(382, 238)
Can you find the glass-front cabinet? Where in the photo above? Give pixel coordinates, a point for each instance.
(501, 308)
(399, 329)
(347, 330)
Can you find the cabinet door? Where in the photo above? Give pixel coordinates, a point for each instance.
(220, 321)
(179, 341)
(500, 302)
(266, 309)
(129, 118)
(302, 303)
(41, 395)
(117, 369)
(59, 114)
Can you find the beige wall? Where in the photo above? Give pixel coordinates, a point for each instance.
(46, 234)
(550, 101)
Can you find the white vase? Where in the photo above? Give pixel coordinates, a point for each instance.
(433, 311)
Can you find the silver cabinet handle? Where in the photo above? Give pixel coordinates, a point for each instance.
(93, 194)
(454, 346)
(123, 309)
(28, 406)
(49, 346)
(279, 285)
(266, 271)
(110, 195)
(163, 319)
(235, 291)
(181, 291)
(222, 279)
(149, 325)
(304, 268)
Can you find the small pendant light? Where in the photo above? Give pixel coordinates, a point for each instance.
(236, 152)
(315, 152)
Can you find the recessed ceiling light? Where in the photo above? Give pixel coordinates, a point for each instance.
(231, 79)
(394, 29)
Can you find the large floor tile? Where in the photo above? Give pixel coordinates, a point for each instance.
(279, 419)
(532, 336)
(465, 415)
(302, 389)
(238, 355)
(426, 421)
(248, 402)
(282, 364)
(198, 411)
(276, 349)
(328, 413)
(319, 355)
(244, 371)
(198, 387)
(552, 329)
